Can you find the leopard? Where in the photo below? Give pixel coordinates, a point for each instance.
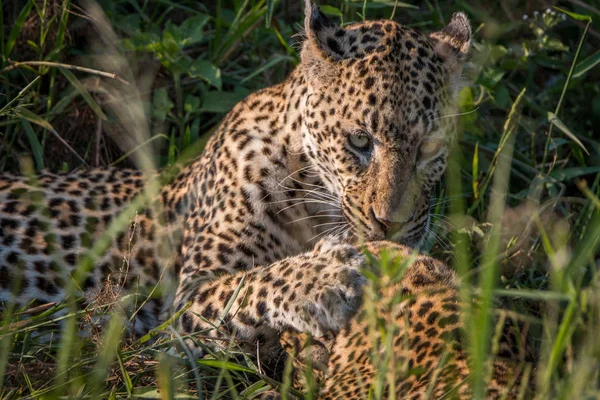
(408, 340)
(260, 234)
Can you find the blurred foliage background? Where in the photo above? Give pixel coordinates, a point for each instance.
(203, 57)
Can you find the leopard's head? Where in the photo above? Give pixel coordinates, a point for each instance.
(379, 117)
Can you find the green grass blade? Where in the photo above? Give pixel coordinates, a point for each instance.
(16, 29)
(569, 75)
(62, 24)
(166, 381)
(560, 343)
(33, 118)
(36, 119)
(4, 110)
(140, 146)
(567, 174)
(475, 171)
(585, 65)
(124, 374)
(228, 365)
(269, 15)
(488, 275)
(2, 51)
(507, 134)
(34, 142)
(578, 17)
(554, 120)
(108, 352)
(84, 93)
(156, 331)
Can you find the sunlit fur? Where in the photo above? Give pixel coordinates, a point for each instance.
(399, 88)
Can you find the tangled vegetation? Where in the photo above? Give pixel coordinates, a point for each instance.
(146, 83)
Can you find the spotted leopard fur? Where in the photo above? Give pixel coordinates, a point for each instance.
(407, 341)
(348, 147)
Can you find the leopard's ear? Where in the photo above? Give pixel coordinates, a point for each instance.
(453, 43)
(322, 47)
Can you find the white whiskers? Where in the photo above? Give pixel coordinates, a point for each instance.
(456, 115)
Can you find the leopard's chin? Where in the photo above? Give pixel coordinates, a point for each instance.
(410, 238)
(414, 242)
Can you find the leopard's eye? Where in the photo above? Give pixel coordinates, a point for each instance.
(429, 149)
(360, 141)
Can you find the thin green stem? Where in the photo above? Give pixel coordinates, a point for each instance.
(179, 101)
(562, 95)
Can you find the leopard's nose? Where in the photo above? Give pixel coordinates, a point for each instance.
(383, 223)
(390, 227)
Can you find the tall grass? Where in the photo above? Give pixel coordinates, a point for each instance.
(528, 136)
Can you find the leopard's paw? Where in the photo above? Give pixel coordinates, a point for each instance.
(335, 293)
(316, 292)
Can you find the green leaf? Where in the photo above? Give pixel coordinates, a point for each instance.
(194, 132)
(465, 99)
(221, 102)
(497, 52)
(191, 31)
(566, 174)
(185, 141)
(36, 146)
(467, 108)
(33, 46)
(143, 41)
(172, 148)
(191, 103)
(162, 104)
(330, 10)
(84, 93)
(180, 64)
(129, 23)
(557, 142)
(170, 45)
(206, 70)
(266, 66)
(244, 21)
(492, 78)
(553, 119)
(587, 64)
(501, 96)
(579, 17)
(555, 44)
